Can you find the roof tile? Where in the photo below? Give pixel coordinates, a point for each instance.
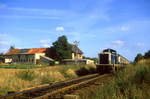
(26, 51)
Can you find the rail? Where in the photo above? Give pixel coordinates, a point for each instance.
(47, 90)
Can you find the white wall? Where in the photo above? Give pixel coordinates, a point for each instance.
(8, 60)
(37, 55)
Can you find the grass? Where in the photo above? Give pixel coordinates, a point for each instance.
(26, 75)
(12, 79)
(20, 66)
(84, 70)
(131, 83)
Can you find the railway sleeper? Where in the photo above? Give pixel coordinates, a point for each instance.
(42, 89)
(73, 87)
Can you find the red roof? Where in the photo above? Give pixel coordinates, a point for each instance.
(13, 51)
(37, 50)
(27, 51)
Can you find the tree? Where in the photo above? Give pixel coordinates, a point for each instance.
(147, 54)
(1, 57)
(138, 57)
(62, 48)
(11, 48)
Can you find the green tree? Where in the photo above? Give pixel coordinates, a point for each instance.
(138, 57)
(11, 47)
(147, 54)
(1, 57)
(62, 48)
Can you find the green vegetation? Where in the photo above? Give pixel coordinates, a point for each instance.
(66, 68)
(26, 75)
(79, 70)
(62, 48)
(147, 55)
(12, 47)
(21, 66)
(140, 56)
(85, 70)
(17, 79)
(1, 58)
(48, 78)
(131, 83)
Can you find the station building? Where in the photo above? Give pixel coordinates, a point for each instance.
(42, 56)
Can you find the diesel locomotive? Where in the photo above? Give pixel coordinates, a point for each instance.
(110, 61)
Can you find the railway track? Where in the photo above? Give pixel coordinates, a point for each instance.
(54, 91)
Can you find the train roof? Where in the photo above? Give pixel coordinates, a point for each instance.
(110, 50)
(123, 57)
(113, 52)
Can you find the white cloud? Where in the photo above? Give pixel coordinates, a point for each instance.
(4, 43)
(45, 43)
(28, 16)
(60, 28)
(118, 43)
(117, 29)
(32, 13)
(140, 44)
(6, 40)
(115, 44)
(3, 50)
(3, 35)
(124, 28)
(37, 10)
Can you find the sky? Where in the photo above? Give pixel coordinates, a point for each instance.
(123, 25)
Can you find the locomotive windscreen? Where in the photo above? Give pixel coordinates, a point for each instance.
(104, 59)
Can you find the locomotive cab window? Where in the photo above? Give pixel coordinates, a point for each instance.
(104, 59)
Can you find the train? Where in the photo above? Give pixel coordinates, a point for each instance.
(110, 61)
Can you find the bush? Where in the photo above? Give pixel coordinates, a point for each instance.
(140, 75)
(107, 92)
(82, 71)
(47, 79)
(50, 77)
(85, 70)
(131, 83)
(92, 70)
(26, 75)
